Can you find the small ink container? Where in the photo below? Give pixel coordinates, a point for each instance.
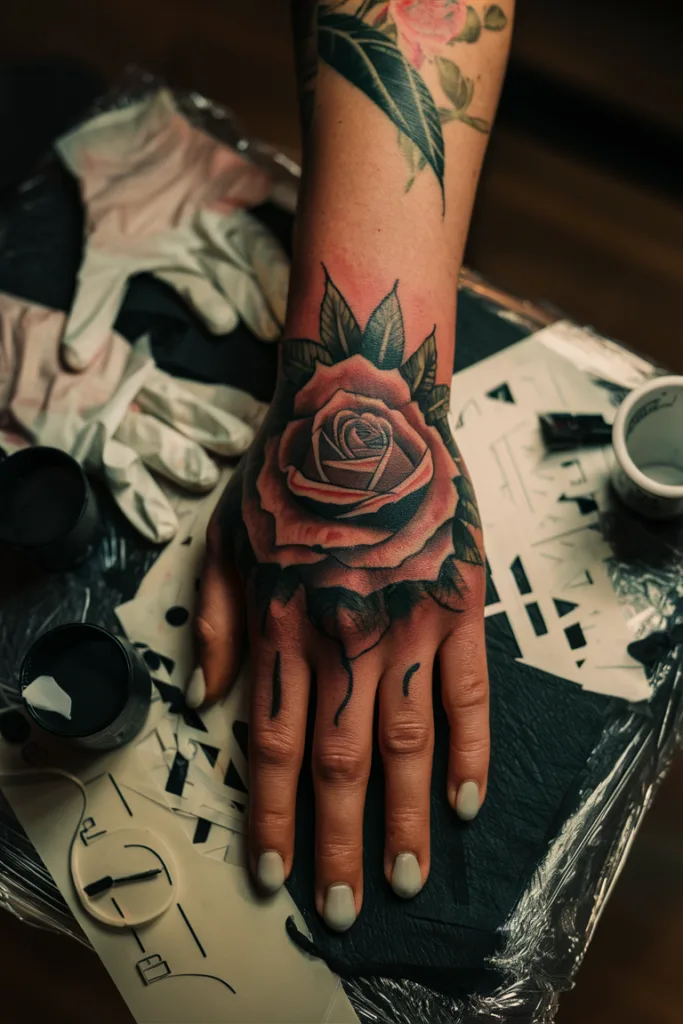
(104, 677)
(47, 508)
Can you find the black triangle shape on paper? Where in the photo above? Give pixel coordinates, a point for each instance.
(211, 753)
(234, 779)
(564, 607)
(240, 731)
(501, 394)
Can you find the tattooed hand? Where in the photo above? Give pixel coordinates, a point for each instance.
(353, 528)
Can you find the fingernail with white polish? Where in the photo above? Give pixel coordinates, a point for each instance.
(467, 801)
(195, 695)
(339, 911)
(406, 878)
(270, 872)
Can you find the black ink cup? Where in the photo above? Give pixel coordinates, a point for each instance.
(47, 508)
(105, 677)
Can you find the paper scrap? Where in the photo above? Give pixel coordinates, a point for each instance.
(46, 694)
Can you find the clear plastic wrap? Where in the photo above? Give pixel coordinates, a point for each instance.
(549, 931)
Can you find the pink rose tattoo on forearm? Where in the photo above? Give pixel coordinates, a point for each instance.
(358, 493)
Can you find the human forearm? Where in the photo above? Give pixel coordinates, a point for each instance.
(381, 204)
(353, 523)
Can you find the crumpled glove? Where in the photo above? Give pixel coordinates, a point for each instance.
(164, 197)
(120, 418)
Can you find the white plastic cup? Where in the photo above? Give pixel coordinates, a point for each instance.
(648, 446)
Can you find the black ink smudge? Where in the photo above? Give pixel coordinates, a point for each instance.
(408, 676)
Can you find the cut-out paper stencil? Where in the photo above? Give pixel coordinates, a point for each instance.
(212, 951)
(549, 564)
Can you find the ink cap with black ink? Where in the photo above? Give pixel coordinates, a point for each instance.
(48, 510)
(81, 683)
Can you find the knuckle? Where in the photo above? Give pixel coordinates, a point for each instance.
(269, 821)
(337, 764)
(406, 737)
(472, 692)
(408, 821)
(339, 850)
(273, 747)
(477, 749)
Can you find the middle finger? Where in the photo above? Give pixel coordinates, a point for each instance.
(342, 753)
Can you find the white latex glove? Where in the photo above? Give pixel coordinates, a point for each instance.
(163, 197)
(121, 418)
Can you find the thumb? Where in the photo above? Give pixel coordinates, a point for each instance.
(219, 620)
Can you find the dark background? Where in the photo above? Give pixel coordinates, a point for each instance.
(581, 205)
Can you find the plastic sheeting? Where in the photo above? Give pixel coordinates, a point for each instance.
(549, 931)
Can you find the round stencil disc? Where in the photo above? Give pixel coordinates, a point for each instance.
(125, 878)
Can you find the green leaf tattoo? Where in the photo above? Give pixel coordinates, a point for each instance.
(495, 19)
(339, 330)
(368, 59)
(382, 49)
(449, 588)
(459, 90)
(435, 408)
(300, 357)
(419, 372)
(383, 338)
(472, 29)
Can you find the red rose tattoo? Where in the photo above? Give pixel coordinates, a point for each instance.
(358, 494)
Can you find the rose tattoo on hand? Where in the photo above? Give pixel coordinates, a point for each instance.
(361, 498)
(351, 513)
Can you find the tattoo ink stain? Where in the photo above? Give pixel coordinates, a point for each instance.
(276, 696)
(349, 689)
(408, 676)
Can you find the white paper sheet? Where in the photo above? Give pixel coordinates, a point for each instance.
(219, 954)
(541, 513)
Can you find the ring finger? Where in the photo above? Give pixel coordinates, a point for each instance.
(406, 739)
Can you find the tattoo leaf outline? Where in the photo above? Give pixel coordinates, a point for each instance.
(300, 358)
(369, 59)
(272, 583)
(341, 613)
(384, 336)
(459, 90)
(467, 503)
(449, 588)
(472, 28)
(339, 330)
(495, 19)
(419, 372)
(464, 543)
(435, 409)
